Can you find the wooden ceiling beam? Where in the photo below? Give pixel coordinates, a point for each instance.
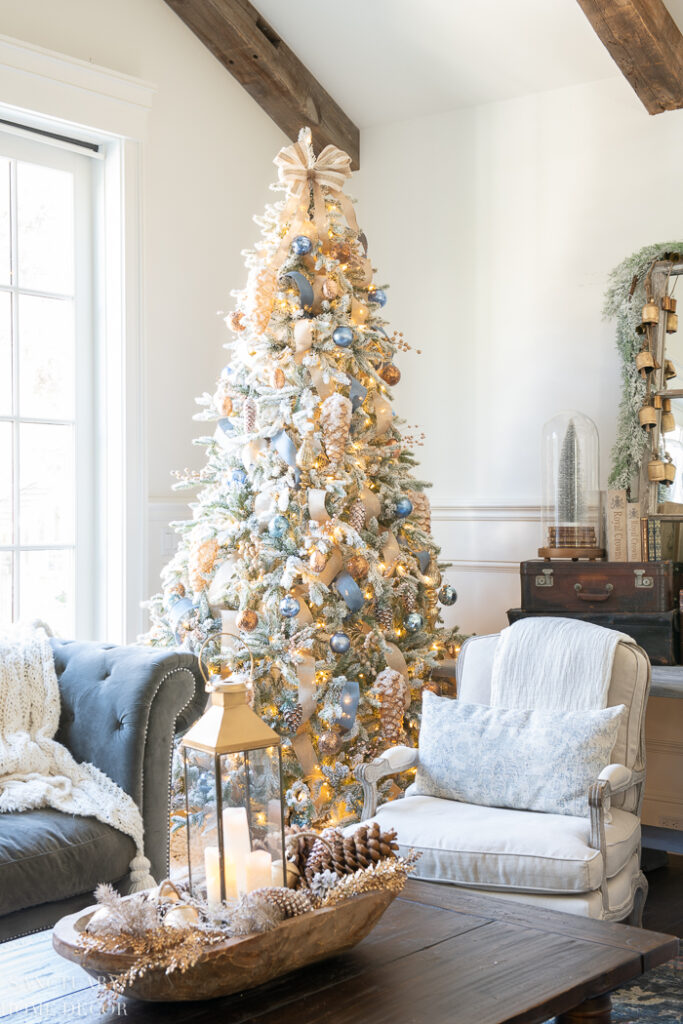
(272, 74)
(646, 44)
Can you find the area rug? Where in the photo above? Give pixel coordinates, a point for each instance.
(654, 998)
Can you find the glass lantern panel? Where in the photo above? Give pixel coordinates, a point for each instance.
(571, 512)
(194, 835)
(252, 819)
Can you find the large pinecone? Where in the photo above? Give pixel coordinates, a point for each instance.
(385, 616)
(421, 516)
(292, 717)
(407, 596)
(291, 902)
(394, 693)
(357, 515)
(365, 846)
(335, 420)
(299, 849)
(249, 414)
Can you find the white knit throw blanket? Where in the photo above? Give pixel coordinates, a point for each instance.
(35, 770)
(554, 664)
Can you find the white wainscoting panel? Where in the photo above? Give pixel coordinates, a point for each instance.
(484, 543)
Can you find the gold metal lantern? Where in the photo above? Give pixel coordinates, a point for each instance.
(236, 842)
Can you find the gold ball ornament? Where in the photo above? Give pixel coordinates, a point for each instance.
(247, 620)
(182, 916)
(329, 743)
(390, 374)
(317, 560)
(330, 288)
(235, 321)
(358, 567)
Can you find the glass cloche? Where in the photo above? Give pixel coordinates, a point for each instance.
(571, 512)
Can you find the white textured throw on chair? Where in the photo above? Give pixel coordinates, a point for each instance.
(554, 664)
(35, 770)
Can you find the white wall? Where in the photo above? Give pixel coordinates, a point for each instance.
(207, 167)
(497, 227)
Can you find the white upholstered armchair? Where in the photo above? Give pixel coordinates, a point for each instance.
(582, 865)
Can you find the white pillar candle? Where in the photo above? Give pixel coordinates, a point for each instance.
(213, 876)
(259, 870)
(236, 843)
(231, 886)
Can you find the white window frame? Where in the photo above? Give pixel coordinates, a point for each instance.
(86, 498)
(48, 90)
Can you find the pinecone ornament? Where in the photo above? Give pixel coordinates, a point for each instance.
(357, 515)
(385, 616)
(261, 290)
(200, 563)
(421, 516)
(335, 419)
(292, 718)
(408, 597)
(249, 414)
(291, 902)
(235, 321)
(278, 377)
(394, 694)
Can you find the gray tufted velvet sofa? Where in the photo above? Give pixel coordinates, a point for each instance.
(120, 709)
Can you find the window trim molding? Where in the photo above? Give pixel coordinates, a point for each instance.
(96, 104)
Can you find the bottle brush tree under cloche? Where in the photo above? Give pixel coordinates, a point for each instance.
(310, 534)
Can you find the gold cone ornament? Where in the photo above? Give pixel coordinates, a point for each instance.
(306, 455)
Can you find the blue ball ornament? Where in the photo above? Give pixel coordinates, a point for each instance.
(340, 643)
(277, 527)
(378, 297)
(289, 607)
(414, 622)
(301, 245)
(239, 476)
(448, 594)
(342, 336)
(404, 507)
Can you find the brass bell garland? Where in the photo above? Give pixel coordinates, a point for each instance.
(656, 470)
(669, 473)
(645, 362)
(650, 312)
(647, 417)
(668, 420)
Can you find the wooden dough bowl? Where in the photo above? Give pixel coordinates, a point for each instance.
(236, 964)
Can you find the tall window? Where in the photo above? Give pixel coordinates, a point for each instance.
(47, 364)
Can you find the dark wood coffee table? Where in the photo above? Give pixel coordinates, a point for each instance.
(438, 956)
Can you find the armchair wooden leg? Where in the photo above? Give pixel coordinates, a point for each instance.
(593, 1011)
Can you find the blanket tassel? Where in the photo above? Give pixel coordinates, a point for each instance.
(140, 877)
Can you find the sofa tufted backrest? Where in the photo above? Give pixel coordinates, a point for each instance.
(107, 693)
(630, 685)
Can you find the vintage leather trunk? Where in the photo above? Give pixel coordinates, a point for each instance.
(657, 633)
(582, 586)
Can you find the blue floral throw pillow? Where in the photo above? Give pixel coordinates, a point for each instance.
(500, 757)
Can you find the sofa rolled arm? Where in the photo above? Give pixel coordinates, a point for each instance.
(120, 710)
(392, 762)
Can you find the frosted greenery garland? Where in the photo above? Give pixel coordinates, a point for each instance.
(627, 453)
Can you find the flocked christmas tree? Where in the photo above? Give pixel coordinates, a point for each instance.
(310, 535)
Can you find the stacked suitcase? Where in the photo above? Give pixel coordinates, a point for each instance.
(637, 598)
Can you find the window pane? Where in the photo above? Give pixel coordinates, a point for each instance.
(4, 221)
(47, 482)
(47, 589)
(45, 219)
(5, 588)
(5, 483)
(5, 354)
(46, 358)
